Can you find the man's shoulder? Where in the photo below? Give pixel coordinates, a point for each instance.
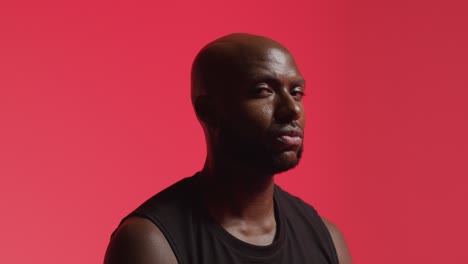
(295, 205)
(138, 240)
(172, 202)
(171, 198)
(339, 241)
(177, 190)
(146, 228)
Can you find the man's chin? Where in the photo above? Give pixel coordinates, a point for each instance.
(285, 160)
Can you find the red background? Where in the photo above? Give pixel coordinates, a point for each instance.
(95, 117)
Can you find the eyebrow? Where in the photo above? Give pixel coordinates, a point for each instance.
(299, 82)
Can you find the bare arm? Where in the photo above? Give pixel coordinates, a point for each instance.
(139, 241)
(344, 257)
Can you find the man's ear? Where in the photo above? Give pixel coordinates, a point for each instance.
(205, 110)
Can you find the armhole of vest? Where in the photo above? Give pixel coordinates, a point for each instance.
(329, 237)
(164, 231)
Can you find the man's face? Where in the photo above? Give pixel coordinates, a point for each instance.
(262, 115)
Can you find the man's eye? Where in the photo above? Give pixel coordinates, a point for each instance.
(298, 95)
(263, 91)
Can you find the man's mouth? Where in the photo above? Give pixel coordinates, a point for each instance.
(290, 140)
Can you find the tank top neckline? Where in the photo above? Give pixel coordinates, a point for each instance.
(254, 252)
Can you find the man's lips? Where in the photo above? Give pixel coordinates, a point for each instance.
(289, 137)
(290, 140)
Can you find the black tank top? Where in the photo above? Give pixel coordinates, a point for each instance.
(195, 238)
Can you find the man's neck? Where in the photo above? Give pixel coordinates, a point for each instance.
(241, 202)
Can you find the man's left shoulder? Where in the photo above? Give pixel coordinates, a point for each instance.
(339, 241)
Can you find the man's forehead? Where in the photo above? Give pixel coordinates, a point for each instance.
(240, 58)
(274, 61)
(268, 65)
(277, 56)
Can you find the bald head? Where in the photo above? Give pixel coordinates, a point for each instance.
(247, 92)
(226, 59)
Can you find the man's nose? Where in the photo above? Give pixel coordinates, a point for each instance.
(287, 108)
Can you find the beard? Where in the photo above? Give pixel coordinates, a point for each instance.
(252, 153)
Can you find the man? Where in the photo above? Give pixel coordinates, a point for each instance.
(247, 93)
